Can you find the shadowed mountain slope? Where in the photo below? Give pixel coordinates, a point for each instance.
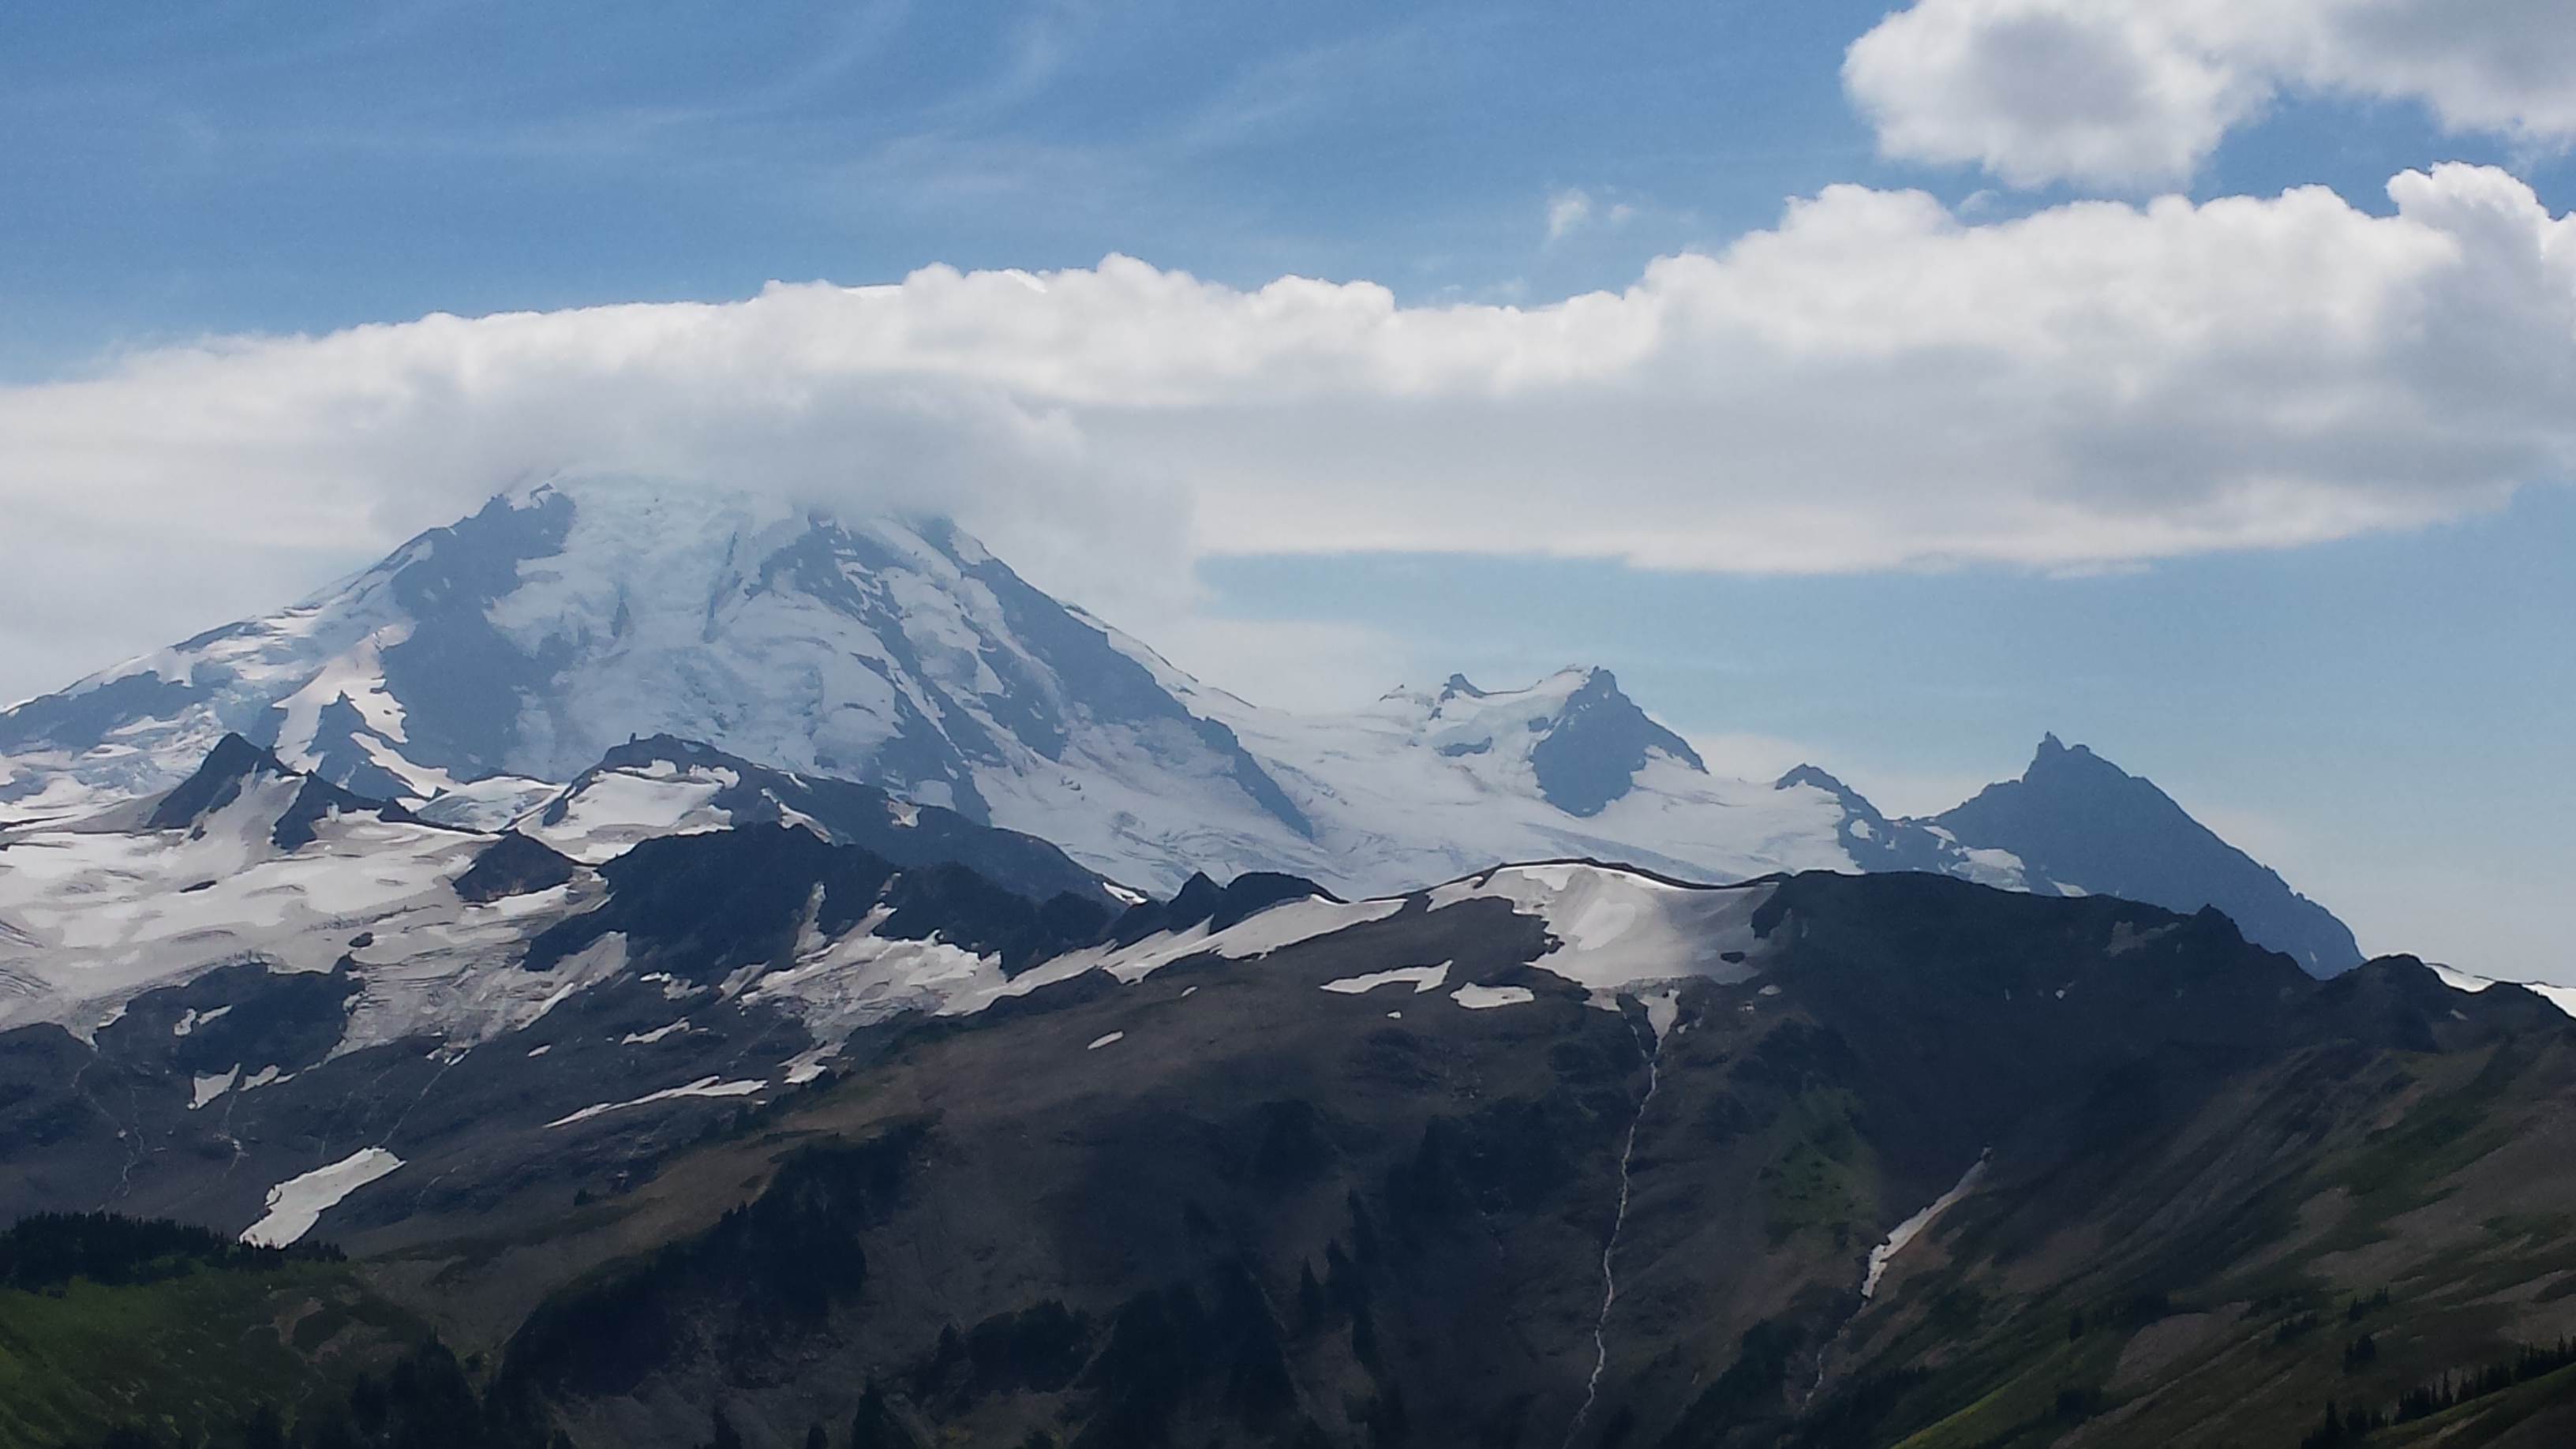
(1554, 1153)
(2075, 819)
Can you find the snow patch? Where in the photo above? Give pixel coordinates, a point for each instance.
(208, 1088)
(2562, 997)
(1273, 930)
(1424, 978)
(1912, 1228)
(1663, 1009)
(1486, 998)
(806, 1065)
(296, 1204)
(1615, 929)
(616, 809)
(1098, 1043)
(702, 1087)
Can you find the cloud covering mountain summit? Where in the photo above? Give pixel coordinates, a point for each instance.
(1871, 384)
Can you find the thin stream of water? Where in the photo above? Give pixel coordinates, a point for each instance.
(1659, 1023)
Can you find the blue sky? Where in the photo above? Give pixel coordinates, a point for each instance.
(178, 169)
(2381, 712)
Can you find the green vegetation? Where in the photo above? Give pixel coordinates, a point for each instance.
(48, 1250)
(2218, 1293)
(191, 1353)
(134, 1334)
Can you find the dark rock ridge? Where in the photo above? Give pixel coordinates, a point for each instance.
(864, 815)
(514, 865)
(464, 684)
(2076, 819)
(1201, 901)
(234, 764)
(703, 906)
(1875, 842)
(1225, 1204)
(79, 718)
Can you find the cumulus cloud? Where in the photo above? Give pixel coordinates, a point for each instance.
(1872, 384)
(2132, 93)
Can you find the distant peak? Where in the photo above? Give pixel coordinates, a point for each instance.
(232, 766)
(1597, 744)
(1811, 775)
(2054, 756)
(232, 763)
(1597, 683)
(235, 756)
(1458, 687)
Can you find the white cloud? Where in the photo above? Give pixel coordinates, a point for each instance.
(1284, 663)
(2133, 93)
(1567, 211)
(1870, 385)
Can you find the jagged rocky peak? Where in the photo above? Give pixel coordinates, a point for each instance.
(1877, 843)
(1202, 902)
(2081, 824)
(231, 766)
(236, 768)
(1584, 740)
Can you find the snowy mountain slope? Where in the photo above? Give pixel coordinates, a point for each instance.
(351, 1011)
(1427, 785)
(222, 989)
(482, 668)
(482, 662)
(236, 870)
(434, 926)
(534, 636)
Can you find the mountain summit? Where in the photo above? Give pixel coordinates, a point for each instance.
(529, 639)
(2076, 820)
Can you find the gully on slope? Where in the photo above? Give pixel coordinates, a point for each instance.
(1661, 1013)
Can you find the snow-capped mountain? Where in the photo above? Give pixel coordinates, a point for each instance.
(1430, 784)
(524, 642)
(490, 672)
(256, 976)
(483, 663)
